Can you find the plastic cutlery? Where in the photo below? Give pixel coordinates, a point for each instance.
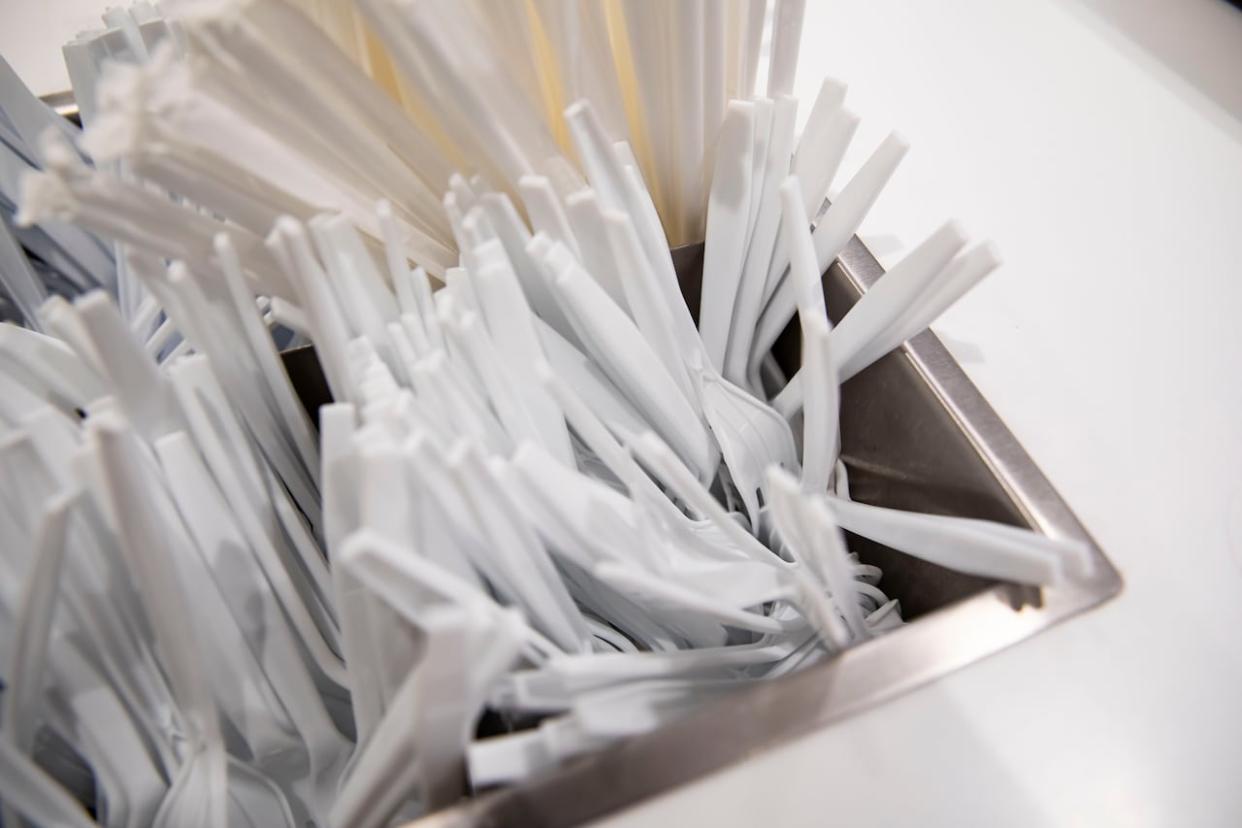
(728, 220)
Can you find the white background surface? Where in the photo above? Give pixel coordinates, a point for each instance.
(1099, 144)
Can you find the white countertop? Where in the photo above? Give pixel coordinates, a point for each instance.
(1101, 149)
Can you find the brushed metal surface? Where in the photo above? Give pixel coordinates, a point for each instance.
(916, 434)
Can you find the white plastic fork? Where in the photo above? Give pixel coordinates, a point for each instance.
(812, 550)
(821, 417)
(837, 226)
(193, 384)
(197, 797)
(750, 294)
(728, 222)
(518, 553)
(510, 322)
(888, 299)
(620, 349)
(220, 541)
(959, 276)
(966, 545)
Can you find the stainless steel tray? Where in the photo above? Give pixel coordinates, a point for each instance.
(916, 434)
